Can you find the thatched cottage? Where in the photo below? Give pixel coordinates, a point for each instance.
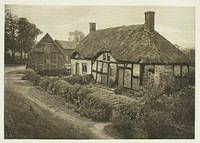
(131, 56)
(49, 54)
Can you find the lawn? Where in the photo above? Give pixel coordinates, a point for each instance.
(24, 119)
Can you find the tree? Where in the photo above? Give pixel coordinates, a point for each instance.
(27, 35)
(76, 36)
(20, 34)
(11, 31)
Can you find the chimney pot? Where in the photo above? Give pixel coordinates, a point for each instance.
(92, 27)
(149, 21)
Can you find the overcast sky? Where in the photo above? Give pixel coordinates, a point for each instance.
(174, 23)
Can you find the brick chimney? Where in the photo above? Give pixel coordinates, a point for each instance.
(92, 27)
(149, 21)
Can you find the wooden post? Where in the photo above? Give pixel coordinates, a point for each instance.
(43, 62)
(116, 76)
(123, 74)
(108, 75)
(102, 72)
(181, 77)
(131, 75)
(141, 73)
(96, 69)
(36, 64)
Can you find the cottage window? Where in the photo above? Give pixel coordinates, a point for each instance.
(177, 70)
(104, 56)
(67, 58)
(84, 68)
(108, 57)
(47, 49)
(184, 71)
(47, 61)
(111, 71)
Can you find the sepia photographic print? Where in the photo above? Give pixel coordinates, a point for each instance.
(99, 72)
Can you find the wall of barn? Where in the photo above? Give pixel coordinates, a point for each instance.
(80, 63)
(46, 56)
(40, 62)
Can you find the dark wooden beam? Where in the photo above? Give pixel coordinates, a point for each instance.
(96, 69)
(131, 76)
(181, 72)
(141, 73)
(123, 74)
(108, 75)
(102, 72)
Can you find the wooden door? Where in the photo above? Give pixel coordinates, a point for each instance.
(120, 77)
(77, 69)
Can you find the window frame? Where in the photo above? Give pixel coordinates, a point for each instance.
(47, 49)
(84, 67)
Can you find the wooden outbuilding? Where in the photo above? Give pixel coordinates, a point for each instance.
(49, 54)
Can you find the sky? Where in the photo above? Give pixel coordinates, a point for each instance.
(177, 24)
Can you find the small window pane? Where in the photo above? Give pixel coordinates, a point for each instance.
(177, 70)
(184, 70)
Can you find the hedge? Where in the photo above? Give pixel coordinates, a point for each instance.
(29, 74)
(125, 120)
(95, 108)
(80, 79)
(164, 116)
(54, 72)
(45, 82)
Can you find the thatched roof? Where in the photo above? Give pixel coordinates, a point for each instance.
(67, 44)
(65, 47)
(131, 43)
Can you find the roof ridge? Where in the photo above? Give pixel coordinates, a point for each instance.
(121, 26)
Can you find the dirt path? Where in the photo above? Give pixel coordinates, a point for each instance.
(56, 107)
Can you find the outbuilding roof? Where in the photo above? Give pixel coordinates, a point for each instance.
(65, 47)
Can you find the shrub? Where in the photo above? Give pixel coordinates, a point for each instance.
(111, 83)
(38, 80)
(59, 87)
(79, 79)
(192, 76)
(54, 72)
(125, 120)
(183, 105)
(45, 81)
(118, 90)
(29, 74)
(95, 108)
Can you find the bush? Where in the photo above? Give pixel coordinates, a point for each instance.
(79, 79)
(118, 90)
(94, 108)
(38, 80)
(183, 106)
(125, 120)
(54, 72)
(29, 74)
(76, 94)
(111, 83)
(192, 76)
(45, 81)
(160, 114)
(59, 87)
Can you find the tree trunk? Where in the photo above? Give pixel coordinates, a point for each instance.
(21, 54)
(24, 55)
(13, 52)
